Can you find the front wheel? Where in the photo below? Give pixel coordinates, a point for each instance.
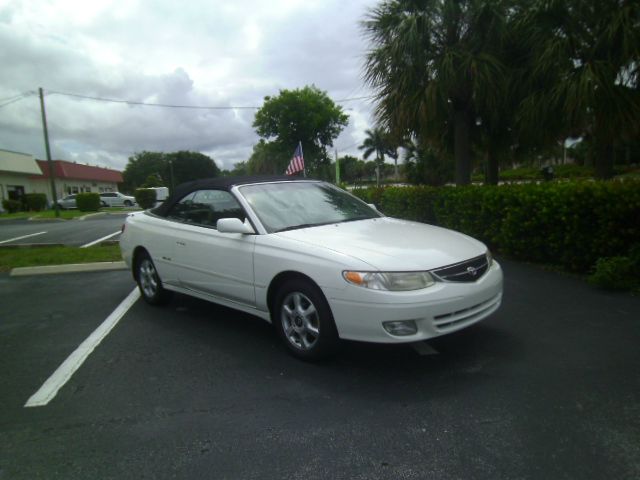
(127, 203)
(303, 320)
(149, 281)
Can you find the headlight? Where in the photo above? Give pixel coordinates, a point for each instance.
(391, 281)
(489, 258)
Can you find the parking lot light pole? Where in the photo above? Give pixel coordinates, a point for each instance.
(48, 150)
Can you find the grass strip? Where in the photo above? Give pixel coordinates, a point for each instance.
(38, 256)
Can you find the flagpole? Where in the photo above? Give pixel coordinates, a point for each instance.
(304, 170)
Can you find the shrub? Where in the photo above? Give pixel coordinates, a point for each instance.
(11, 206)
(146, 197)
(35, 201)
(616, 273)
(572, 224)
(88, 202)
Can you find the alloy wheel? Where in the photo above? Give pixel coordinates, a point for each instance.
(300, 321)
(148, 278)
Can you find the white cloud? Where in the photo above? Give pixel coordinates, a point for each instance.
(213, 53)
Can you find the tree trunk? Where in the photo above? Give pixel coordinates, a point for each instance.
(604, 159)
(492, 172)
(462, 148)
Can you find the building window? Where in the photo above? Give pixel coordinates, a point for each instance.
(15, 192)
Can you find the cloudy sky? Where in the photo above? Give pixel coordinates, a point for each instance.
(213, 53)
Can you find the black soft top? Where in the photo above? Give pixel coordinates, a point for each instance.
(217, 183)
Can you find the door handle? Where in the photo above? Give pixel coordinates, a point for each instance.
(182, 244)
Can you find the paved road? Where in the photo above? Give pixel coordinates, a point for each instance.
(70, 232)
(548, 388)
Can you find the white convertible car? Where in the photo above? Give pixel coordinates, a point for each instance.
(312, 259)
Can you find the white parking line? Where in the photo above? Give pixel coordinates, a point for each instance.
(65, 371)
(20, 238)
(90, 244)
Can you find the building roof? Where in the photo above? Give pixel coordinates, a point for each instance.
(77, 171)
(17, 162)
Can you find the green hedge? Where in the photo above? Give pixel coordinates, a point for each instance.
(35, 202)
(571, 224)
(88, 202)
(11, 206)
(146, 197)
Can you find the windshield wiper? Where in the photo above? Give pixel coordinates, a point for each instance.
(332, 222)
(302, 225)
(360, 217)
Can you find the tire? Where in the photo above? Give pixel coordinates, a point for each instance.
(149, 282)
(303, 320)
(127, 203)
(103, 204)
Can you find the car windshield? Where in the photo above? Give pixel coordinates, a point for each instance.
(291, 205)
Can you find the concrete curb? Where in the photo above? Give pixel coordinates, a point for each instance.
(70, 268)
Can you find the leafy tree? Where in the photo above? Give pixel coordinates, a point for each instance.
(140, 166)
(186, 166)
(351, 169)
(239, 169)
(153, 180)
(167, 168)
(425, 166)
(268, 158)
(429, 64)
(304, 115)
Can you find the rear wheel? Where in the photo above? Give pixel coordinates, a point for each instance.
(303, 320)
(149, 281)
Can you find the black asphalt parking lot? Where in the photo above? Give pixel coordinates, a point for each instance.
(73, 233)
(547, 388)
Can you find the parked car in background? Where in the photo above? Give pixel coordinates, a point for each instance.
(315, 261)
(67, 202)
(116, 199)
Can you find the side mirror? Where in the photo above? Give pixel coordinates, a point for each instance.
(234, 225)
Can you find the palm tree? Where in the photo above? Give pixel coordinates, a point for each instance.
(430, 62)
(375, 142)
(424, 165)
(589, 53)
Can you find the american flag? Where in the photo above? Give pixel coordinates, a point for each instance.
(297, 162)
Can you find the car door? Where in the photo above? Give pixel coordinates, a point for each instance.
(107, 199)
(208, 261)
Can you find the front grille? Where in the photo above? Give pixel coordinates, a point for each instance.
(467, 271)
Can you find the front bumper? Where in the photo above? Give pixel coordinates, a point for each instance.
(444, 308)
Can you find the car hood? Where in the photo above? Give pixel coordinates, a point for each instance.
(389, 244)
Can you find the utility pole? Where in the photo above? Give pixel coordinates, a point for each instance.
(171, 172)
(54, 196)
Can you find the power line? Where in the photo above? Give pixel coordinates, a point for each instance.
(148, 104)
(8, 101)
(165, 105)
(354, 98)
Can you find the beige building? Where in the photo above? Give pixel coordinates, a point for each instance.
(16, 171)
(21, 173)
